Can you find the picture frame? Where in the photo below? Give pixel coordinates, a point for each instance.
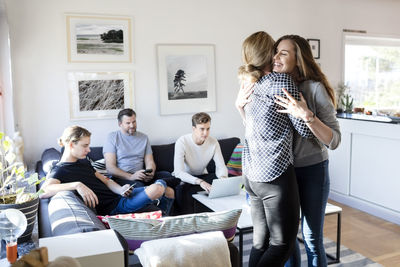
(99, 39)
(99, 95)
(315, 47)
(186, 78)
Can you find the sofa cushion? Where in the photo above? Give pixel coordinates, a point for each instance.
(164, 157)
(235, 163)
(137, 231)
(142, 215)
(227, 146)
(50, 157)
(69, 215)
(98, 165)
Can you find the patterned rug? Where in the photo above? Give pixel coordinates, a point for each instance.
(348, 258)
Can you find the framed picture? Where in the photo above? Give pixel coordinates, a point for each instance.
(101, 38)
(99, 95)
(314, 43)
(187, 78)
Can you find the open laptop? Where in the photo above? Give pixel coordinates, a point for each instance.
(224, 187)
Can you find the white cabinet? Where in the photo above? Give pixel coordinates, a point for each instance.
(364, 170)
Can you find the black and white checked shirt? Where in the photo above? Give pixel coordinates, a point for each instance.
(268, 148)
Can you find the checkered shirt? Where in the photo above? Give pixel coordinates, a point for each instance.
(267, 151)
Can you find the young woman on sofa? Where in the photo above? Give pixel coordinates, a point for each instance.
(74, 172)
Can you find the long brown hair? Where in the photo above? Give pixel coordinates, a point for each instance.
(307, 68)
(257, 55)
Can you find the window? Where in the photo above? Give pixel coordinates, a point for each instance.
(372, 71)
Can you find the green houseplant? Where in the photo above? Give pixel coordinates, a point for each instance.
(345, 101)
(14, 182)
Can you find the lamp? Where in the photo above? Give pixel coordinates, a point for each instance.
(12, 225)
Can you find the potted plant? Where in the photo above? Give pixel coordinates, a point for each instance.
(345, 101)
(14, 182)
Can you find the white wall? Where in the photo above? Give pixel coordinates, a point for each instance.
(39, 55)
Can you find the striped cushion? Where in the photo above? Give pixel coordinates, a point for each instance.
(99, 165)
(235, 163)
(137, 231)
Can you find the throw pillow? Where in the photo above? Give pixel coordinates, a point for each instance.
(99, 165)
(235, 163)
(143, 215)
(137, 231)
(50, 157)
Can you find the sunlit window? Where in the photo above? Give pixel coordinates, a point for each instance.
(372, 71)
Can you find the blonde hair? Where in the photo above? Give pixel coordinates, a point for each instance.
(257, 55)
(73, 134)
(307, 67)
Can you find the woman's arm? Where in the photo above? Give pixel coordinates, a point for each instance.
(243, 98)
(113, 186)
(52, 186)
(299, 109)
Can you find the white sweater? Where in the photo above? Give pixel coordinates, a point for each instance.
(192, 159)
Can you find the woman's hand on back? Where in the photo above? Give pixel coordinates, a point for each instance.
(297, 109)
(245, 91)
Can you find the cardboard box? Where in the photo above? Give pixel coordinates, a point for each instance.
(98, 248)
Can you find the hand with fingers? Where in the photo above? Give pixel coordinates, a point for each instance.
(243, 97)
(206, 186)
(297, 109)
(88, 196)
(126, 190)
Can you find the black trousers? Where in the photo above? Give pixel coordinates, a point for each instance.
(275, 214)
(184, 202)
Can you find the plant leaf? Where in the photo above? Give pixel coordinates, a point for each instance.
(10, 157)
(33, 178)
(7, 143)
(1, 135)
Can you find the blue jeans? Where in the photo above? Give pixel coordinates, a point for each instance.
(313, 182)
(138, 199)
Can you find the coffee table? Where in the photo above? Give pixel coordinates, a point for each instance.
(245, 224)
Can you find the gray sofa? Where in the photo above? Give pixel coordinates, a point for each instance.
(82, 218)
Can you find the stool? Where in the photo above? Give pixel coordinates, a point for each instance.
(329, 210)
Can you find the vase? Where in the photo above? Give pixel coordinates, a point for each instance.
(29, 209)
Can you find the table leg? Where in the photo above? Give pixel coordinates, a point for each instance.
(241, 247)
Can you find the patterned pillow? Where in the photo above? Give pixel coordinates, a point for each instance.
(143, 215)
(137, 231)
(235, 163)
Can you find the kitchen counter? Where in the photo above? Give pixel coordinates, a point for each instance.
(375, 118)
(364, 169)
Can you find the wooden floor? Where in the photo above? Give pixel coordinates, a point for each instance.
(370, 236)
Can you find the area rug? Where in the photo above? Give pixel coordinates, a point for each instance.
(348, 257)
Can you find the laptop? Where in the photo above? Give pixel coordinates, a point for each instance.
(224, 187)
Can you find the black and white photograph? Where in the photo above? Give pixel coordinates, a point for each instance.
(99, 94)
(314, 43)
(99, 39)
(187, 78)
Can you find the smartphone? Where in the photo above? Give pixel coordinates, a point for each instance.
(148, 171)
(128, 188)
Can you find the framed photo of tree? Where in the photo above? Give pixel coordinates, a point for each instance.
(186, 78)
(99, 38)
(99, 95)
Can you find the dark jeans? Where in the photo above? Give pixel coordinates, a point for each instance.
(275, 214)
(314, 186)
(184, 202)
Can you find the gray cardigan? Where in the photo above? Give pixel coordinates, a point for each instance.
(312, 151)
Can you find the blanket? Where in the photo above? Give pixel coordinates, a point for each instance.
(195, 250)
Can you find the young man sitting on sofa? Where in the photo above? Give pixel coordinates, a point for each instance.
(193, 152)
(74, 172)
(128, 155)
